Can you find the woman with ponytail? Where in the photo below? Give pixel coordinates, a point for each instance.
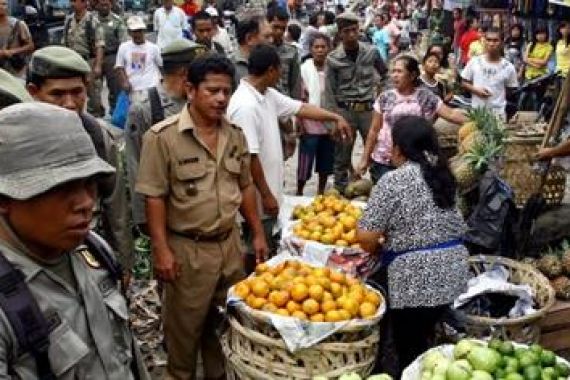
(412, 223)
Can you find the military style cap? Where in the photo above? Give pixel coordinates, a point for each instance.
(43, 146)
(182, 51)
(58, 62)
(12, 90)
(136, 23)
(347, 16)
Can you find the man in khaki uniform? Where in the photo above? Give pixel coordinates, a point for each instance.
(58, 75)
(115, 32)
(48, 187)
(195, 174)
(83, 33)
(163, 101)
(352, 71)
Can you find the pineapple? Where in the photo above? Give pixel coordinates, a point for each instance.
(463, 172)
(561, 285)
(550, 265)
(466, 130)
(482, 154)
(470, 141)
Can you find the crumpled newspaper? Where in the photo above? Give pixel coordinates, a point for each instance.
(298, 334)
(146, 321)
(495, 280)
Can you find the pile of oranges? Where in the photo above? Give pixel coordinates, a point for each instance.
(299, 290)
(329, 219)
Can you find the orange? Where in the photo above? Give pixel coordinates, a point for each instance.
(282, 312)
(293, 264)
(258, 303)
(336, 289)
(324, 282)
(289, 273)
(305, 271)
(344, 315)
(267, 277)
(341, 243)
(261, 268)
(316, 292)
(332, 316)
(310, 306)
(349, 223)
(242, 290)
(327, 306)
(327, 296)
(299, 314)
(367, 310)
(351, 281)
(351, 306)
(260, 288)
(250, 300)
(299, 280)
(321, 272)
(319, 317)
(277, 283)
(269, 307)
(279, 298)
(337, 277)
(299, 292)
(293, 306)
(373, 298)
(311, 280)
(356, 296)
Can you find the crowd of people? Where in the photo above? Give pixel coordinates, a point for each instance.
(213, 114)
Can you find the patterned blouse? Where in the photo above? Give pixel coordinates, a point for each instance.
(393, 105)
(401, 206)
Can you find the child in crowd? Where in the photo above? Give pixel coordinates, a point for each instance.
(563, 49)
(431, 67)
(514, 47)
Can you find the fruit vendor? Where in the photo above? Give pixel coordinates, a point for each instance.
(407, 98)
(423, 263)
(195, 174)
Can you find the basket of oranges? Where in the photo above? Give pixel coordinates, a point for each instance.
(341, 310)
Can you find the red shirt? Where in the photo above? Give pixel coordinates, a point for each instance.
(190, 8)
(458, 31)
(468, 37)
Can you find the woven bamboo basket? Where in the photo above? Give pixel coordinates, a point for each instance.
(517, 171)
(525, 329)
(447, 136)
(252, 355)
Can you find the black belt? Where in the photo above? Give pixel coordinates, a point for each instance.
(357, 106)
(111, 52)
(198, 237)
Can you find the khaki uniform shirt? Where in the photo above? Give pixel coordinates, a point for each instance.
(76, 36)
(290, 81)
(114, 30)
(202, 188)
(88, 324)
(139, 120)
(350, 81)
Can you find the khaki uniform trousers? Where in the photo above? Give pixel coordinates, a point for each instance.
(94, 104)
(190, 313)
(111, 78)
(359, 121)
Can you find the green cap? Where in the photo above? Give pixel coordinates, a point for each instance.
(182, 51)
(347, 17)
(58, 62)
(43, 146)
(12, 90)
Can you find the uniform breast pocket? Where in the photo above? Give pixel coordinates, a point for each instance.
(118, 314)
(366, 72)
(192, 178)
(233, 165)
(346, 74)
(66, 349)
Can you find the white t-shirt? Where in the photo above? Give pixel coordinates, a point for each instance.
(257, 115)
(495, 77)
(169, 25)
(141, 63)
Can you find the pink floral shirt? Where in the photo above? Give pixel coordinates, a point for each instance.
(393, 105)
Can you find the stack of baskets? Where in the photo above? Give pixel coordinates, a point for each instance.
(518, 172)
(525, 329)
(254, 350)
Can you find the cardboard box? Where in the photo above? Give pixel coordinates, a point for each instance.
(555, 327)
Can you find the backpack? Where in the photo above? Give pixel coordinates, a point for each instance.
(156, 108)
(89, 33)
(17, 61)
(23, 313)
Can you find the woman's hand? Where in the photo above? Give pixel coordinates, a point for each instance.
(370, 241)
(361, 167)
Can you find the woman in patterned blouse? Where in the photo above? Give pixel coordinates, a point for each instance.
(407, 98)
(412, 213)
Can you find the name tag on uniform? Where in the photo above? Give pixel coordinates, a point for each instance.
(189, 160)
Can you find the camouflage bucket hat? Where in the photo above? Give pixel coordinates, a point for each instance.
(43, 146)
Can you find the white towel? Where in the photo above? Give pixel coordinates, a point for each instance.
(312, 82)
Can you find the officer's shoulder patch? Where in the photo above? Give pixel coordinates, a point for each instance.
(89, 258)
(158, 127)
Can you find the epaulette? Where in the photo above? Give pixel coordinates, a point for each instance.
(165, 123)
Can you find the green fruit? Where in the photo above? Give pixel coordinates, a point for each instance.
(481, 375)
(459, 370)
(562, 370)
(519, 352)
(495, 344)
(514, 376)
(507, 348)
(532, 373)
(500, 373)
(547, 358)
(463, 348)
(536, 348)
(549, 373)
(484, 359)
(528, 359)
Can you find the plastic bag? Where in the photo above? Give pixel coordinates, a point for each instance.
(119, 117)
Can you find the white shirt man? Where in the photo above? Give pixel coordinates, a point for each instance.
(169, 22)
(141, 63)
(258, 114)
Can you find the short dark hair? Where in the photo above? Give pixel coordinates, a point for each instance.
(278, 13)
(320, 36)
(210, 63)
(495, 31)
(202, 15)
(262, 58)
(294, 31)
(431, 54)
(169, 68)
(245, 27)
